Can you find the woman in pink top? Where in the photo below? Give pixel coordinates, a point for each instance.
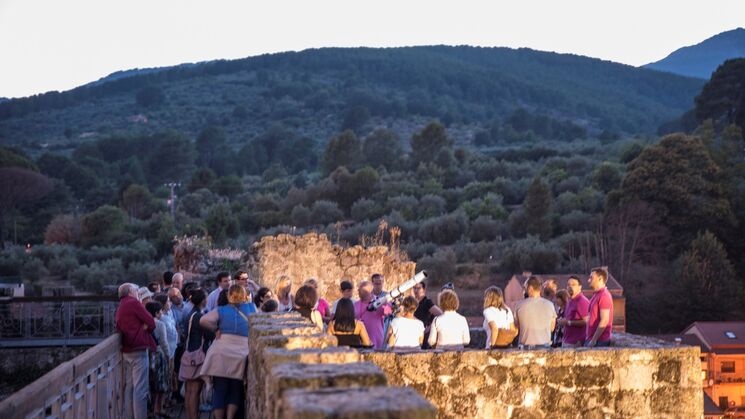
(321, 305)
(373, 320)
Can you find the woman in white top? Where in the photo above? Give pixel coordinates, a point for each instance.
(496, 315)
(406, 331)
(284, 294)
(450, 329)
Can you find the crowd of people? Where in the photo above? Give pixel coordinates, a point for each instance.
(181, 343)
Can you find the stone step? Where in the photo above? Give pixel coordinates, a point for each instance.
(354, 403)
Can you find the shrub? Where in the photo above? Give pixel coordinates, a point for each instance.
(95, 276)
(484, 228)
(445, 229)
(63, 229)
(300, 216)
(365, 209)
(325, 212)
(530, 254)
(440, 266)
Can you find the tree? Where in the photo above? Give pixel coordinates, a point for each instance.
(10, 157)
(343, 150)
(137, 201)
(19, 186)
(537, 209)
(202, 178)
(101, 226)
(228, 186)
(172, 160)
(723, 97)
(63, 229)
(707, 289)
(426, 144)
(681, 182)
(383, 148)
(606, 177)
(355, 117)
(221, 223)
(213, 151)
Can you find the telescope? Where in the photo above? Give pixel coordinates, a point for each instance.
(397, 292)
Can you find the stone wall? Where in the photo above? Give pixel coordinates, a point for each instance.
(314, 256)
(297, 372)
(639, 378)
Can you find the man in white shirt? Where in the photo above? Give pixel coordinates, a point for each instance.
(223, 283)
(535, 317)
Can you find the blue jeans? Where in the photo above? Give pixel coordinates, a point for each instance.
(136, 384)
(599, 344)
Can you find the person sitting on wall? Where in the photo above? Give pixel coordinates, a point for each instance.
(499, 322)
(426, 310)
(406, 331)
(135, 325)
(535, 317)
(557, 336)
(348, 330)
(321, 304)
(373, 320)
(449, 330)
(305, 302)
(283, 292)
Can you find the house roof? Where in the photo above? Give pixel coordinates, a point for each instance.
(561, 281)
(689, 339)
(720, 335)
(710, 408)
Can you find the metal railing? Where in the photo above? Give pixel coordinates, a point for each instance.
(56, 321)
(88, 386)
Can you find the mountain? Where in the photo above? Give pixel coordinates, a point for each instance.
(702, 59)
(318, 92)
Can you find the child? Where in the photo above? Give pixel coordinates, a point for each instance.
(405, 330)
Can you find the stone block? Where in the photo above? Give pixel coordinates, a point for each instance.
(356, 403)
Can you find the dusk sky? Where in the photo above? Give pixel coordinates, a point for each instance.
(58, 45)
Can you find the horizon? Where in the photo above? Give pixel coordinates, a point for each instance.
(172, 33)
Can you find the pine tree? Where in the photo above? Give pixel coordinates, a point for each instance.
(537, 209)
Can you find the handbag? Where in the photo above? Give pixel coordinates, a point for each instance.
(506, 336)
(191, 361)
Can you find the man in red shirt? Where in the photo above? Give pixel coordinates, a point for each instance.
(135, 326)
(575, 315)
(599, 323)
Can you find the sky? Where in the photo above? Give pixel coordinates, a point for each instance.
(58, 45)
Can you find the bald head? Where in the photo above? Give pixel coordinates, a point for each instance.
(127, 290)
(365, 290)
(175, 296)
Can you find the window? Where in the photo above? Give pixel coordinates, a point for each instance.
(728, 366)
(723, 402)
(703, 375)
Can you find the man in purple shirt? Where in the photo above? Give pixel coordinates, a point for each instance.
(600, 317)
(575, 315)
(373, 320)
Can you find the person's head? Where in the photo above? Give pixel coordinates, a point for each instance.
(128, 289)
(448, 286)
(562, 298)
(269, 306)
(409, 305)
(306, 297)
(263, 295)
(344, 316)
(533, 286)
(284, 287)
(574, 286)
(311, 282)
(198, 298)
(448, 300)
(419, 290)
(178, 280)
(222, 298)
(145, 295)
(598, 279)
(175, 296)
(162, 298)
(223, 280)
(167, 278)
(241, 278)
(494, 297)
(365, 290)
(549, 289)
(154, 287)
(378, 282)
(347, 289)
(237, 294)
(187, 289)
(154, 308)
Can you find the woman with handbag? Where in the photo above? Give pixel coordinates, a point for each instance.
(499, 322)
(227, 356)
(194, 354)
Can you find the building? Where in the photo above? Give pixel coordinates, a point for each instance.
(11, 286)
(514, 292)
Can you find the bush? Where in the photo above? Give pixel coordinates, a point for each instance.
(144, 272)
(102, 225)
(63, 229)
(530, 254)
(440, 266)
(325, 212)
(484, 228)
(138, 251)
(95, 276)
(445, 229)
(431, 206)
(33, 269)
(417, 249)
(406, 205)
(578, 221)
(365, 209)
(300, 216)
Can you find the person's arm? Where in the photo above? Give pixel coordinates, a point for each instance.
(163, 339)
(602, 324)
(209, 321)
(363, 334)
(435, 311)
(466, 332)
(390, 337)
(317, 319)
(432, 340)
(494, 333)
(148, 322)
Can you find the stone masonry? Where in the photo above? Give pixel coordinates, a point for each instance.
(313, 256)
